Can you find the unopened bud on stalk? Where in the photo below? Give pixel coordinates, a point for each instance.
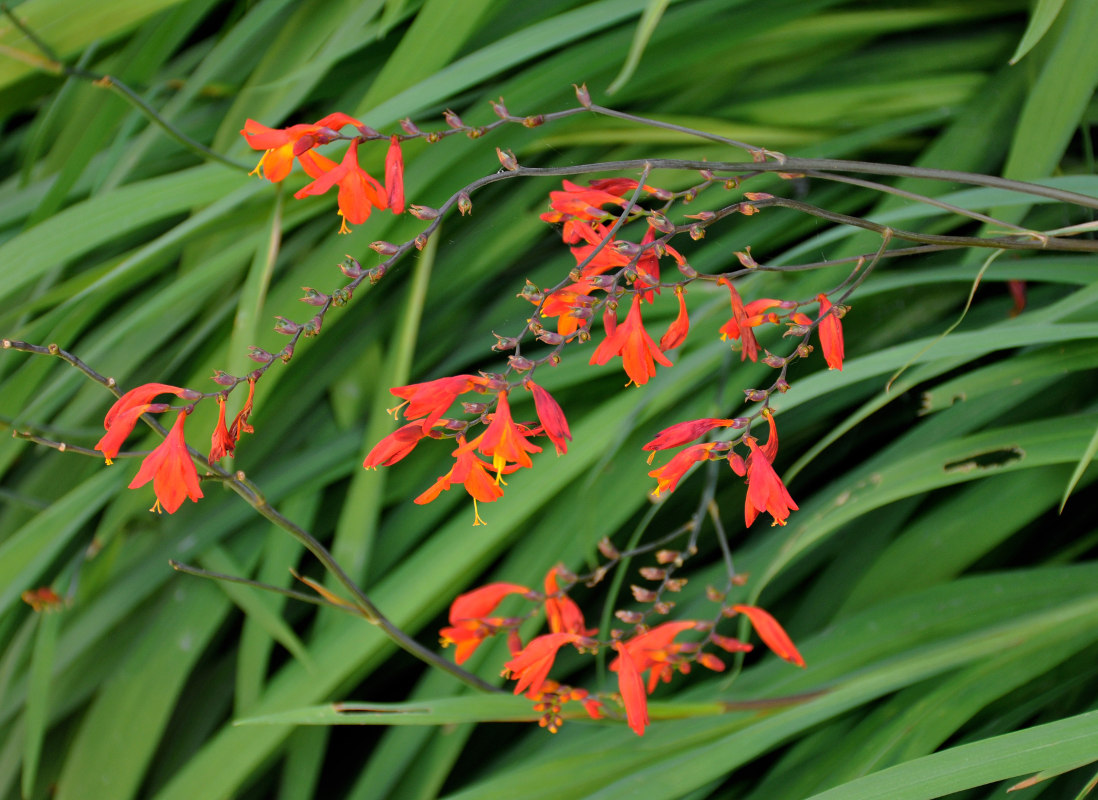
(258, 354)
(582, 95)
(384, 248)
(465, 204)
(500, 109)
(425, 213)
(350, 267)
(746, 259)
(667, 556)
(756, 395)
(551, 338)
(453, 120)
(420, 241)
(313, 297)
(642, 595)
(533, 121)
(697, 232)
(520, 363)
(507, 159)
(409, 127)
(224, 378)
(475, 408)
(286, 326)
(653, 573)
(606, 547)
(660, 222)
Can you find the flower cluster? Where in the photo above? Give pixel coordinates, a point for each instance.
(359, 192)
(652, 650)
(170, 466)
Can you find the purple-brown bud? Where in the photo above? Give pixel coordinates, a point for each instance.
(465, 204)
(533, 121)
(551, 338)
(667, 556)
(582, 95)
(453, 120)
(475, 408)
(756, 395)
(259, 355)
(507, 159)
(350, 267)
(384, 248)
(313, 297)
(606, 547)
(500, 109)
(520, 363)
(420, 241)
(286, 326)
(224, 378)
(642, 595)
(660, 222)
(425, 213)
(652, 573)
(629, 617)
(504, 343)
(409, 127)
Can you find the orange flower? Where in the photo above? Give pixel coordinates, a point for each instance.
(469, 621)
(564, 301)
(221, 443)
(395, 446)
(654, 650)
(531, 666)
(677, 330)
(669, 475)
(505, 441)
(171, 470)
(684, 432)
(240, 422)
(432, 398)
(744, 318)
(765, 490)
(637, 350)
(831, 334)
(561, 612)
(282, 144)
(472, 473)
(128, 408)
(551, 417)
(632, 691)
(394, 176)
(482, 601)
(359, 192)
(772, 633)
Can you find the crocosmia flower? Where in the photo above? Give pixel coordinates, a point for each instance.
(631, 688)
(359, 192)
(281, 145)
(171, 470)
(831, 334)
(677, 330)
(432, 398)
(469, 621)
(669, 475)
(531, 666)
(394, 176)
(765, 490)
(744, 319)
(128, 408)
(505, 441)
(772, 633)
(395, 446)
(221, 442)
(473, 473)
(639, 354)
(685, 432)
(551, 417)
(561, 612)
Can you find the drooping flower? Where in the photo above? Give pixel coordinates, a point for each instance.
(677, 330)
(531, 666)
(684, 432)
(631, 688)
(637, 350)
(395, 446)
(127, 409)
(504, 441)
(240, 422)
(772, 633)
(765, 490)
(282, 144)
(831, 334)
(394, 176)
(669, 475)
(656, 652)
(561, 612)
(221, 442)
(564, 301)
(744, 319)
(551, 417)
(431, 399)
(472, 472)
(171, 470)
(359, 192)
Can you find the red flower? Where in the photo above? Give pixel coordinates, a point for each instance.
(654, 650)
(831, 334)
(469, 620)
(677, 330)
(282, 144)
(551, 417)
(395, 446)
(669, 475)
(765, 490)
(744, 318)
(171, 470)
(359, 192)
(531, 666)
(637, 350)
(772, 633)
(684, 432)
(394, 176)
(564, 301)
(472, 473)
(433, 398)
(221, 442)
(128, 408)
(240, 422)
(632, 691)
(505, 441)
(561, 612)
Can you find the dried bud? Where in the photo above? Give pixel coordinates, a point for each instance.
(434, 137)
(505, 343)
(747, 259)
(425, 213)
(376, 274)
(476, 133)
(606, 547)
(350, 267)
(660, 222)
(747, 209)
(659, 194)
(287, 353)
(781, 385)
(758, 196)
(465, 204)
(713, 595)
(313, 297)
(451, 424)
(551, 338)
(534, 121)
(653, 573)
(732, 183)
(740, 580)
(582, 95)
(707, 174)
(500, 109)
(804, 350)
(771, 360)
(420, 241)
(520, 363)
(312, 327)
(704, 216)
(629, 617)
(259, 355)
(756, 395)
(697, 232)
(475, 408)
(409, 127)
(453, 120)
(675, 584)
(667, 556)
(286, 326)
(642, 595)
(384, 248)
(507, 159)
(224, 378)
(663, 607)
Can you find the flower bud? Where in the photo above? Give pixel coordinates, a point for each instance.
(475, 408)
(582, 95)
(663, 607)
(453, 120)
(313, 297)
(500, 109)
(312, 327)
(756, 395)
(627, 248)
(425, 213)
(747, 259)
(629, 617)
(704, 216)
(675, 584)
(260, 355)
(697, 232)
(652, 573)
(606, 547)
(224, 378)
(771, 360)
(550, 337)
(384, 248)
(713, 595)
(476, 133)
(642, 595)
(287, 353)
(533, 121)
(667, 556)
(350, 267)
(286, 326)
(781, 385)
(465, 204)
(520, 363)
(368, 132)
(434, 137)
(507, 159)
(758, 196)
(340, 297)
(409, 127)
(660, 222)
(687, 270)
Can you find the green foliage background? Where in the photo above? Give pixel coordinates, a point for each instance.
(947, 610)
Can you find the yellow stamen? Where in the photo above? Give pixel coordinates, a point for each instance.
(343, 224)
(258, 171)
(108, 459)
(156, 507)
(476, 515)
